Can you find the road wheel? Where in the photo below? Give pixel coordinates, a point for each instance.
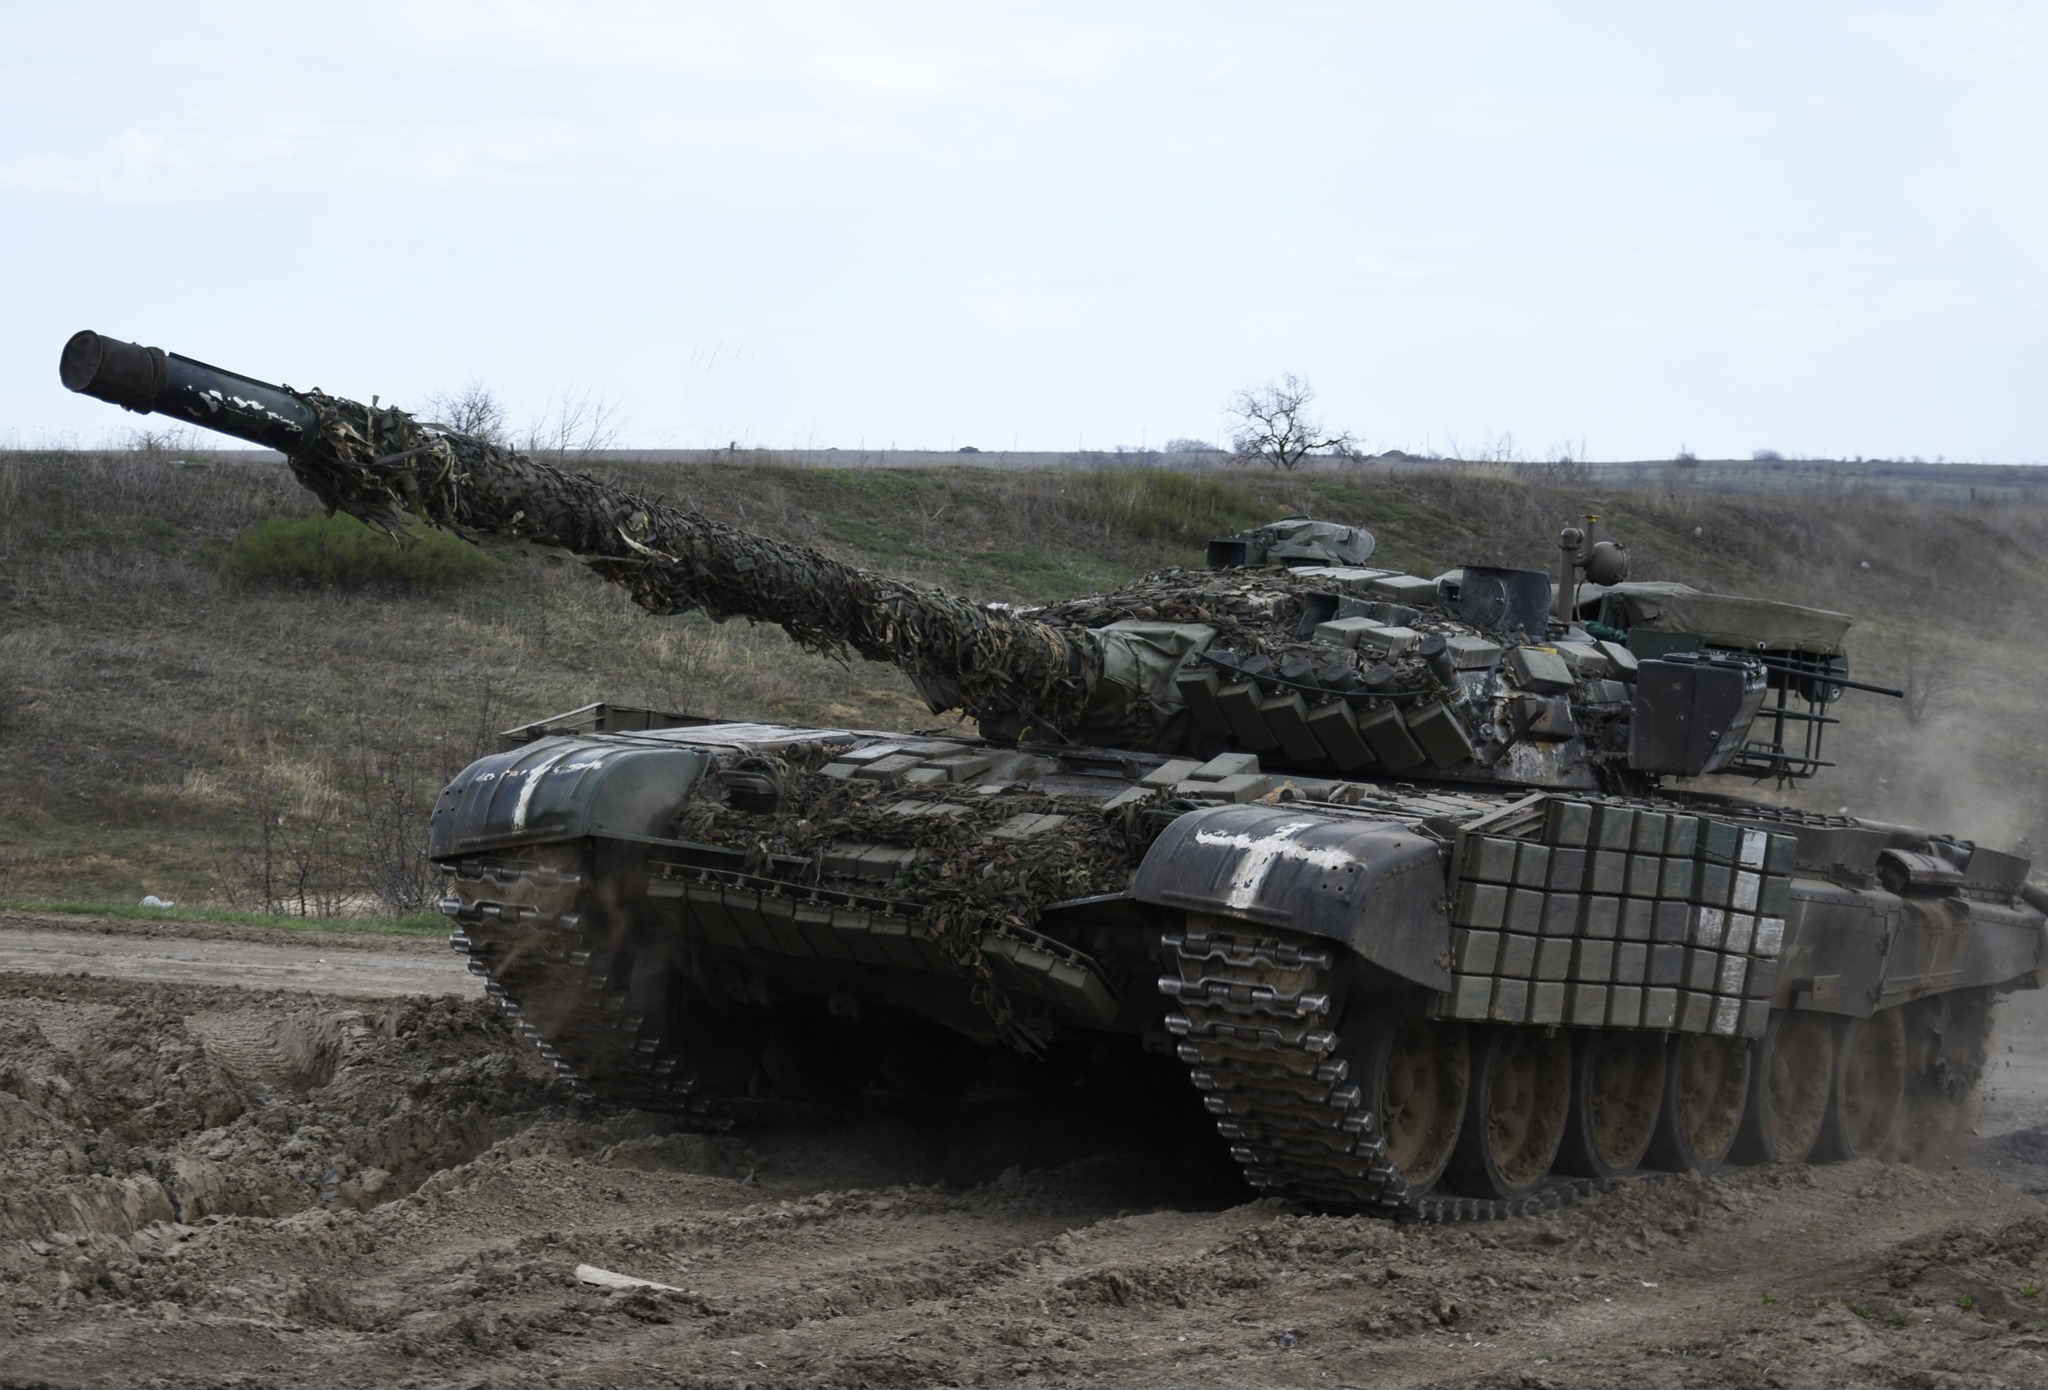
(1791, 1071)
(1868, 1089)
(1617, 1089)
(1706, 1085)
(1515, 1112)
(1423, 1069)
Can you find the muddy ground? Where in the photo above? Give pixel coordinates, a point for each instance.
(335, 1184)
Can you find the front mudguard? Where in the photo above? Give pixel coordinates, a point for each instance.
(1374, 887)
(562, 789)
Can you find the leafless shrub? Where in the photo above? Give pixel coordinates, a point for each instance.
(397, 777)
(1274, 426)
(574, 426)
(471, 409)
(1560, 470)
(160, 445)
(394, 796)
(294, 863)
(1926, 673)
(1500, 449)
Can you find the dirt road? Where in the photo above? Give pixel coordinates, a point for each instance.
(203, 1184)
(253, 957)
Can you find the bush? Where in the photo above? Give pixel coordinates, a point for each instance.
(1160, 504)
(340, 552)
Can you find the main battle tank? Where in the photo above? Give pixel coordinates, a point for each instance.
(1389, 863)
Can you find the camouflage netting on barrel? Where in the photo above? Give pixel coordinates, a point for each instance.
(382, 465)
(976, 864)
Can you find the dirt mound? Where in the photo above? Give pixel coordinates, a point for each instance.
(120, 1107)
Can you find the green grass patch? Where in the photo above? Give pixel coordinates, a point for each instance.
(421, 925)
(1184, 508)
(338, 552)
(1042, 571)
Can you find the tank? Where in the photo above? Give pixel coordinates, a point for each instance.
(1399, 870)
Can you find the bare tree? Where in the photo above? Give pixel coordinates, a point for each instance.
(1928, 673)
(298, 863)
(473, 409)
(394, 796)
(571, 425)
(1499, 449)
(1274, 426)
(575, 426)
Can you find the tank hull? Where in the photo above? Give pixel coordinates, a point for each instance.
(702, 918)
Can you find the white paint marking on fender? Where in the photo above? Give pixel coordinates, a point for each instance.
(1262, 852)
(533, 776)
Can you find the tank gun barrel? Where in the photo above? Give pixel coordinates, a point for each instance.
(149, 380)
(381, 465)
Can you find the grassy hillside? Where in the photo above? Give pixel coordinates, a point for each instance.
(176, 718)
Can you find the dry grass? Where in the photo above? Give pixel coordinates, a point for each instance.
(151, 702)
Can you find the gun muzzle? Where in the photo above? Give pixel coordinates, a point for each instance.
(147, 379)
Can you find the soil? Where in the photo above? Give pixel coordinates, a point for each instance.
(170, 952)
(333, 1184)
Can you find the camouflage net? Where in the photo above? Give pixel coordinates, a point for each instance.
(380, 466)
(1047, 669)
(1251, 609)
(966, 881)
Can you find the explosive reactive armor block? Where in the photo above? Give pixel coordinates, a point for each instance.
(1617, 936)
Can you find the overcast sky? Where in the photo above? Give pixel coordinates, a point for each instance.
(1815, 227)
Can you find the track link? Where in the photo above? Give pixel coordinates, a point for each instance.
(1257, 1024)
(529, 926)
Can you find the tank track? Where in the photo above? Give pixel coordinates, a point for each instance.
(527, 926)
(1255, 1023)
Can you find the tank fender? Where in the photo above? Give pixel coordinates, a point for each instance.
(1377, 887)
(1987, 943)
(1837, 940)
(562, 789)
(1852, 951)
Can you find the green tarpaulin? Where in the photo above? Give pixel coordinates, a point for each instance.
(1721, 620)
